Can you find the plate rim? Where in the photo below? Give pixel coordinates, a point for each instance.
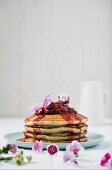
(101, 138)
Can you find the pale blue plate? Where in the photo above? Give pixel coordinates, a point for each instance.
(93, 140)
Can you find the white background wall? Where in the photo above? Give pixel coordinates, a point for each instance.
(51, 46)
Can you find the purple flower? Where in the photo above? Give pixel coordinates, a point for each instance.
(52, 149)
(109, 164)
(105, 159)
(74, 147)
(69, 156)
(14, 148)
(38, 146)
(47, 101)
(34, 107)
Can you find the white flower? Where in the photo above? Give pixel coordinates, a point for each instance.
(64, 97)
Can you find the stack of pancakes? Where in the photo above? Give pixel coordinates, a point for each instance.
(56, 123)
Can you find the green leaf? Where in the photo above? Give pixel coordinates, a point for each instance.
(6, 149)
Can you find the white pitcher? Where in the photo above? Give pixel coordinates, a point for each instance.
(92, 102)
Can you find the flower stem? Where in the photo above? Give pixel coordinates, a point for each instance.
(5, 158)
(75, 162)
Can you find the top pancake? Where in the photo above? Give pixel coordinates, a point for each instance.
(55, 119)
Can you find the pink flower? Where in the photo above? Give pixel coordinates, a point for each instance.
(14, 148)
(72, 151)
(52, 149)
(69, 156)
(47, 101)
(75, 147)
(38, 146)
(105, 159)
(109, 164)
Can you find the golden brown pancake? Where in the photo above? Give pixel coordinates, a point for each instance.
(29, 139)
(55, 120)
(62, 129)
(54, 137)
(68, 125)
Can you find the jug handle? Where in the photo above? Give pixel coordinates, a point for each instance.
(105, 98)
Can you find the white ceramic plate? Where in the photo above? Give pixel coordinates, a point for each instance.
(93, 140)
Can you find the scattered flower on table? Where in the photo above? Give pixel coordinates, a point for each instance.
(107, 161)
(9, 148)
(38, 146)
(18, 158)
(73, 150)
(29, 158)
(14, 148)
(69, 157)
(74, 147)
(109, 164)
(52, 149)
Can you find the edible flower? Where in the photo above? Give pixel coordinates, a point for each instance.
(69, 157)
(36, 107)
(107, 161)
(38, 146)
(73, 150)
(47, 101)
(9, 148)
(52, 149)
(64, 98)
(14, 148)
(29, 158)
(18, 159)
(109, 164)
(74, 147)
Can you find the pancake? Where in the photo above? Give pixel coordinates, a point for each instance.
(29, 139)
(62, 129)
(54, 134)
(55, 120)
(53, 126)
(54, 137)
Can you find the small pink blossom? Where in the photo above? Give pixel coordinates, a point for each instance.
(14, 148)
(47, 101)
(105, 159)
(75, 147)
(69, 157)
(72, 151)
(52, 149)
(109, 164)
(38, 146)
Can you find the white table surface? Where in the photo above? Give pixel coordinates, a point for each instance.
(45, 161)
